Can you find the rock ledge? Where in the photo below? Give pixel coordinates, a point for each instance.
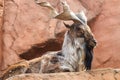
(99, 74)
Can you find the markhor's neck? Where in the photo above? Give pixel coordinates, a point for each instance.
(70, 47)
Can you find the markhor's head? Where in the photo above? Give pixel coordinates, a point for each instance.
(76, 29)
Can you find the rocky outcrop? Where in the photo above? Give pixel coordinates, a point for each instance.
(28, 30)
(104, 74)
(106, 28)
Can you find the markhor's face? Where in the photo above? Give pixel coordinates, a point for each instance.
(77, 30)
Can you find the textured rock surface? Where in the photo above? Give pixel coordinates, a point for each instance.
(29, 31)
(106, 28)
(105, 74)
(1, 20)
(26, 24)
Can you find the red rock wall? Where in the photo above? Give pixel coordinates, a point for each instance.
(1, 22)
(106, 28)
(29, 31)
(25, 25)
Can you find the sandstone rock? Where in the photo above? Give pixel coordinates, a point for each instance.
(0, 45)
(29, 31)
(103, 74)
(1, 23)
(25, 25)
(106, 28)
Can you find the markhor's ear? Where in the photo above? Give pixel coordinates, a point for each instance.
(66, 25)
